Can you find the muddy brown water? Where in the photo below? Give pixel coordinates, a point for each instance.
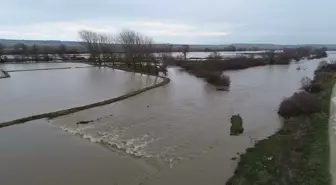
(182, 130)
(36, 92)
(176, 134)
(38, 153)
(28, 66)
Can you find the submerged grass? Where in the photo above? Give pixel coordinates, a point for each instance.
(298, 154)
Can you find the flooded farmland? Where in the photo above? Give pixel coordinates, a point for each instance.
(176, 134)
(35, 92)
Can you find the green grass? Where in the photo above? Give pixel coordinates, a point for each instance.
(298, 154)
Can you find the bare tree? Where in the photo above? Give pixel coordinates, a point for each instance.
(2, 52)
(127, 39)
(185, 51)
(138, 48)
(62, 50)
(215, 56)
(146, 44)
(35, 53)
(91, 41)
(107, 47)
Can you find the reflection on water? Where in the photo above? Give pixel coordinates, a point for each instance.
(36, 92)
(183, 129)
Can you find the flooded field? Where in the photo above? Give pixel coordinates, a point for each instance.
(182, 129)
(36, 92)
(222, 53)
(29, 66)
(175, 134)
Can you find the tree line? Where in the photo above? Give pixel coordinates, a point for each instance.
(129, 50)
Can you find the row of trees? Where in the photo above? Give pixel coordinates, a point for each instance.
(22, 52)
(128, 48)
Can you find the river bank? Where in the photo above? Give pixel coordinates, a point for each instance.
(297, 154)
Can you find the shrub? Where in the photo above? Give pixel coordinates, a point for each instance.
(310, 85)
(315, 88)
(324, 66)
(306, 83)
(300, 103)
(215, 56)
(217, 79)
(236, 125)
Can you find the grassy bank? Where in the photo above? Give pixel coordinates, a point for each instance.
(297, 154)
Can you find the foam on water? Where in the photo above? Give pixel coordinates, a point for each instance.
(114, 139)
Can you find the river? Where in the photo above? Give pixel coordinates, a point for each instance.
(182, 129)
(176, 134)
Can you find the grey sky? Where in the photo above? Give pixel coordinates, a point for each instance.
(175, 21)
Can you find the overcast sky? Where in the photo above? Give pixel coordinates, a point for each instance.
(175, 21)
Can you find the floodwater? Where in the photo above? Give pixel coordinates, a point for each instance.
(38, 153)
(29, 66)
(176, 134)
(36, 92)
(199, 54)
(222, 53)
(182, 129)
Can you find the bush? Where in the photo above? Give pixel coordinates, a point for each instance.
(306, 83)
(217, 79)
(310, 85)
(299, 103)
(236, 125)
(215, 56)
(324, 66)
(315, 88)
